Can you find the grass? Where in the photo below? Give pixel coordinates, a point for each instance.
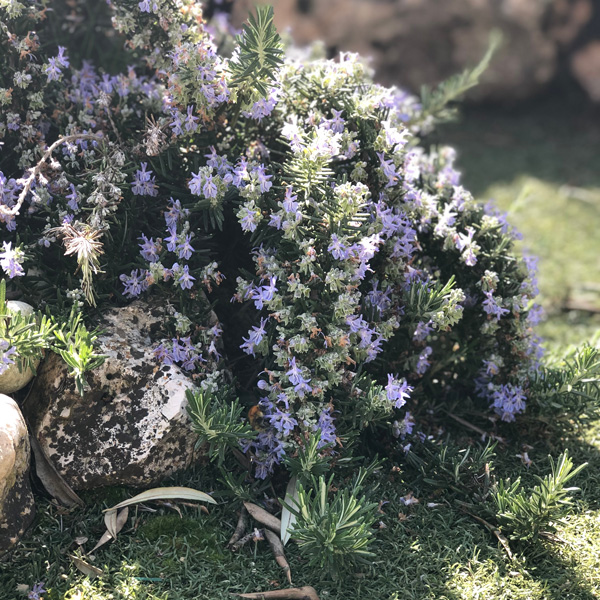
(430, 550)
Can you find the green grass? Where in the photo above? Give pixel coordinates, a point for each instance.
(431, 550)
(424, 551)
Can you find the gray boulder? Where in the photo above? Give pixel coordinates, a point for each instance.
(131, 426)
(17, 507)
(416, 42)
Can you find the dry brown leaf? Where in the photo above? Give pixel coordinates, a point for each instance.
(304, 593)
(114, 523)
(56, 486)
(263, 517)
(86, 568)
(277, 548)
(240, 528)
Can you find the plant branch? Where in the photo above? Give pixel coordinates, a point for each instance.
(36, 170)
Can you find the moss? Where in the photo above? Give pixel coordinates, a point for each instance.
(179, 533)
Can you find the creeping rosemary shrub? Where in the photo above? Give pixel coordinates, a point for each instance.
(354, 278)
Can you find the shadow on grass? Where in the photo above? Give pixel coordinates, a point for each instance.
(555, 138)
(430, 549)
(564, 567)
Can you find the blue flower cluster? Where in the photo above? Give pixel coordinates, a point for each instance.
(366, 280)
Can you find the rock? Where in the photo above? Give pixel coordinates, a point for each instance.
(569, 18)
(585, 65)
(131, 426)
(13, 379)
(17, 507)
(416, 42)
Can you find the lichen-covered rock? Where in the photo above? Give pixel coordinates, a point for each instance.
(131, 425)
(17, 507)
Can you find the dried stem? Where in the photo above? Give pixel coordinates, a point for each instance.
(247, 538)
(304, 593)
(240, 528)
(277, 548)
(36, 170)
(263, 517)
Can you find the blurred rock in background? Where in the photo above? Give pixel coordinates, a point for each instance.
(416, 42)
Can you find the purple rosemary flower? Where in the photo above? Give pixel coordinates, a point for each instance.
(296, 378)
(36, 592)
(172, 239)
(491, 367)
(190, 120)
(183, 277)
(73, 199)
(145, 6)
(264, 293)
(326, 425)
(61, 58)
(403, 428)
(423, 363)
(398, 391)
(282, 421)
(134, 284)
(336, 123)
(255, 337)
(337, 248)
(176, 124)
(52, 69)
(149, 249)
(389, 170)
(5, 355)
(10, 260)
(275, 221)
(175, 213)
(509, 400)
(144, 182)
(263, 179)
(184, 249)
(247, 218)
(240, 173)
(491, 306)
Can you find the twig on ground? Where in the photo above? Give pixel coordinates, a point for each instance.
(240, 528)
(304, 593)
(279, 554)
(501, 538)
(247, 538)
(469, 425)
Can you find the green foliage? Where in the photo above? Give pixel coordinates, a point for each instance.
(526, 517)
(259, 51)
(75, 344)
(439, 303)
(30, 334)
(568, 386)
(310, 460)
(435, 102)
(367, 405)
(465, 472)
(217, 421)
(333, 532)
(33, 333)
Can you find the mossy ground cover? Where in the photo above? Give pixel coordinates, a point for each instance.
(430, 549)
